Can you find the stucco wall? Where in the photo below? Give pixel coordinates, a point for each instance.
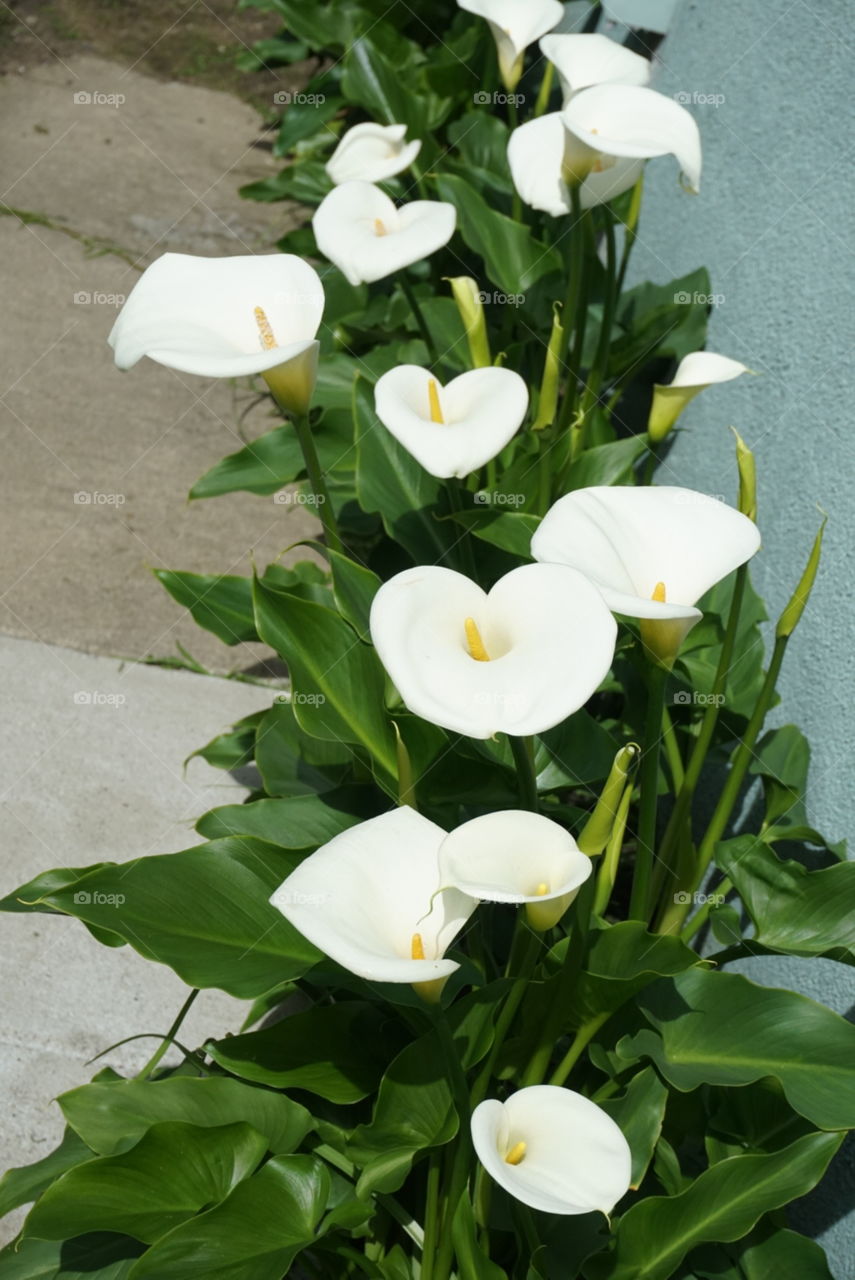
(774, 223)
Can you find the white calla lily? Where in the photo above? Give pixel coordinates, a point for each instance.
(652, 551)
(696, 372)
(517, 857)
(553, 1149)
(515, 25)
(371, 899)
(371, 153)
(599, 143)
(455, 429)
(518, 659)
(226, 318)
(588, 58)
(367, 236)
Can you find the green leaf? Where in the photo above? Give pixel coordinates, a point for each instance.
(390, 92)
(233, 749)
(338, 683)
(263, 466)
(719, 1028)
(782, 759)
(577, 752)
(110, 1117)
(607, 463)
(231, 937)
(798, 912)
(174, 1171)
(661, 320)
(622, 960)
(354, 588)
(253, 1235)
(23, 1185)
(774, 1254)
(292, 763)
(640, 1112)
(219, 604)
(299, 822)
(510, 530)
(96, 1256)
(723, 1204)
(338, 1051)
(513, 259)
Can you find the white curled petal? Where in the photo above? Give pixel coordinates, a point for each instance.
(703, 368)
(513, 856)
(361, 231)
(584, 59)
(635, 122)
(576, 1158)
(482, 410)
(371, 153)
(520, 21)
(536, 159)
(610, 182)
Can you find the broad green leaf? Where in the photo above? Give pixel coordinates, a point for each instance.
(354, 588)
(481, 140)
(798, 912)
(96, 1256)
(719, 1028)
(390, 93)
(299, 822)
(509, 530)
(32, 896)
(722, 1204)
(338, 683)
(782, 760)
(338, 1051)
(253, 1235)
(205, 912)
(661, 320)
(775, 1254)
(263, 466)
(640, 1112)
(173, 1171)
(577, 752)
(292, 763)
(607, 463)
(110, 1117)
(513, 259)
(622, 960)
(219, 604)
(233, 749)
(23, 1185)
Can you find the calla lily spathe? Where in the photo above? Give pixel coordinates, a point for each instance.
(371, 900)
(599, 143)
(651, 551)
(516, 857)
(518, 659)
(455, 429)
(515, 25)
(368, 237)
(226, 318)
(372, 153)
(695, 373)
(553, 1149)
(588, 58)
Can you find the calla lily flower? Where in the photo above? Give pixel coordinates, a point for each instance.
(371, 153)
(518, 659)
(371, 899)
(599, 143)
(455, 429)
(516, 857)
(695, 372)
(553, 1149)
(515, 25)
(368, 237)
(226, 318)
(590, 58)
(651, 551)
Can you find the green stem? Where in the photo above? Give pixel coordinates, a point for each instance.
(431, 1216)
(316, 480)
(580, 1043)
(168, 1038)
(545, 90)
(523, 752)
(672, 750)
(454, 488)
(418, 315)
(513, 1000)
(457, 1182)
(648, 776)
(698, 921)
(598, 372)
(608, 870)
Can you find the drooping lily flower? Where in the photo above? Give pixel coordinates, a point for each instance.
(553, 1149)
(226, 318)
(695, 373)
(455, 429)
(599, 143)
(368, 237)
(517, 857)
(588, 58)
(515, 25)
(371, 899)
(518, 659)
(652, 552)
(371, 153)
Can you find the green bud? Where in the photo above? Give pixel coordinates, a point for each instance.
(598, 828)
(469, 304)
(747, 478)
(548, 403)
(791, 616)
(406, 781)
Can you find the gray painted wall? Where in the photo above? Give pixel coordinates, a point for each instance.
(774, 223)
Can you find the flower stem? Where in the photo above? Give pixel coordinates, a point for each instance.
(418, 315)
(580, 1043)
(316, 480)
(168, 1038)
(468, 565)
(649, 784)
(431, 1215)
(459, 1177)
(601, 360)
(528, 959)
(545, 90)
(698, 921)
(523, 752)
